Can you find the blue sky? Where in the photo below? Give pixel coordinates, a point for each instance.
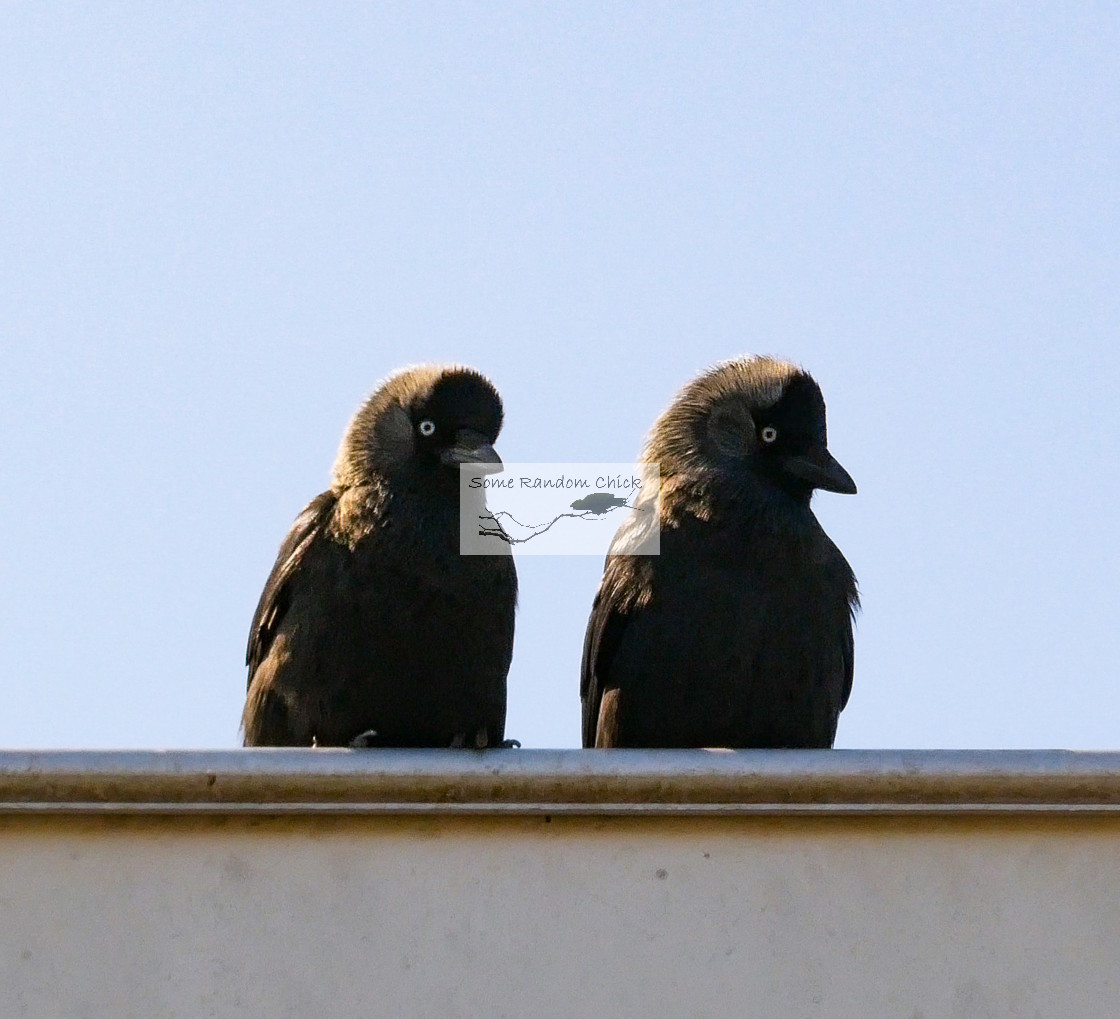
(222, 224)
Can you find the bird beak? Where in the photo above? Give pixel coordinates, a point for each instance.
(472, 448)
(820, 469)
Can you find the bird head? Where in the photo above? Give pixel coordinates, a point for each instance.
(427, 420)
(757, 419)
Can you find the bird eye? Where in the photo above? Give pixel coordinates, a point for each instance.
(427, 427)
(769, 433)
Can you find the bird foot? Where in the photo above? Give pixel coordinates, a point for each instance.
(364, 740)
(509, 744)
(459, 741)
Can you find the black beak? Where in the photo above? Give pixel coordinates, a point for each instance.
(472, 448)
(819, 469)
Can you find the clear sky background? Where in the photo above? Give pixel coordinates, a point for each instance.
(222, 224)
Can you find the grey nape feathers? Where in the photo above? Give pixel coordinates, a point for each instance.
(372, 629)
(739, 634)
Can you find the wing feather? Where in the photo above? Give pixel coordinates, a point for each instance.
(605, 629)
(276, 596)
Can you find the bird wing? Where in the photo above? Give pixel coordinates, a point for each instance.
(849, 652)
(604, 634)
(276, 596)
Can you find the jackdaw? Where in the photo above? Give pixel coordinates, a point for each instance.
(739, 634)
(372, 629)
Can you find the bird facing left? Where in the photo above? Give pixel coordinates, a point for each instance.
(372, 629)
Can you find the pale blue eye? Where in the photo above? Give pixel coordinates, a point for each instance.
(769, 433)
(427, 427)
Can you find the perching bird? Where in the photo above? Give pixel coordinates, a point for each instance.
(372, 629)
(739, 633)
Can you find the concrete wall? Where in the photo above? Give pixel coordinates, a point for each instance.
(153, 886)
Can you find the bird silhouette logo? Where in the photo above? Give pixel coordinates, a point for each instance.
(598, 503)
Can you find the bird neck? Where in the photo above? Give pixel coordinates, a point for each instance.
(739, 501)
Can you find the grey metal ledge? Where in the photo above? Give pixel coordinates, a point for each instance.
(590, 782)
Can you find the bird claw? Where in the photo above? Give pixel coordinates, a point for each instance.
(509, 744)
(458, 741)
(364, 740)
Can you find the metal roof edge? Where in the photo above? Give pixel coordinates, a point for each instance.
(590, 782)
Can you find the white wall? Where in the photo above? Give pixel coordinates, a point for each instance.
(461, 915)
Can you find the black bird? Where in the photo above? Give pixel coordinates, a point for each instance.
(372, 629)
(739, 634)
